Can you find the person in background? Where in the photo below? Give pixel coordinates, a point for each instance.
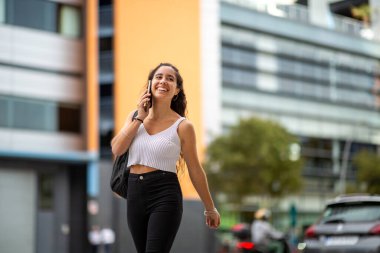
(108, 238)
(95, 238)
(264, 236)
(160, 139)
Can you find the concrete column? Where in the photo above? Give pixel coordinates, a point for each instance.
(319, 13)
(375, 18)
(335, 156)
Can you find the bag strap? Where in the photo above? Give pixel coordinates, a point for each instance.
(118, 157)
(126, 153)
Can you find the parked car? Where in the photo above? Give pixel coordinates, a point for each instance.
(348, 224)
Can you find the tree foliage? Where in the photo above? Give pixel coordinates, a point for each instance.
(254, 157)
(362, 12)
(368, 164)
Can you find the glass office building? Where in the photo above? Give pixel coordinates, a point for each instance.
(319, 81)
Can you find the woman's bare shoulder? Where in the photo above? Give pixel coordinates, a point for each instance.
(185, 128)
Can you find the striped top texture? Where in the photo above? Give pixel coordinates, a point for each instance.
(160, 151)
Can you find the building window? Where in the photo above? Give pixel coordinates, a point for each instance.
(106, 119)
(45, 192)
(31, 114)
(4, 112)
(23, 113)
(32, 13)
(2, 11)
(42, 15)
(69, 23)
(69, 119)
(106, 44)
(105, 2)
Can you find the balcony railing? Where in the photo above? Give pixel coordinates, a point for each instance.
(301, 13)
(348, 25)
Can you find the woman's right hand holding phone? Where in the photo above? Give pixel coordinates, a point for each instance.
(143, 106)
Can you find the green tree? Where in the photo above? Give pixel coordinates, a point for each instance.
(368, 164)
(255, 157)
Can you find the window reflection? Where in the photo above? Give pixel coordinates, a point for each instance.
(69, 23)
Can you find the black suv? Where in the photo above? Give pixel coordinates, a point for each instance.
(348, 224)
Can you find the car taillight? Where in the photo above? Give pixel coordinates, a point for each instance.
(375, 230)
(245, 245)
(310, 232)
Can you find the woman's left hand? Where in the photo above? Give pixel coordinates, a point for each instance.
(212, 218)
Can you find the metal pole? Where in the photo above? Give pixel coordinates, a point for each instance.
(343, 170)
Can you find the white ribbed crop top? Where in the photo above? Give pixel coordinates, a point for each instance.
(160, 151)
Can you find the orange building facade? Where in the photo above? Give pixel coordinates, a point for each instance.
(147, 33)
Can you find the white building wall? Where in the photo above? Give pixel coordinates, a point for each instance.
(41, 85)
(375, 18)
(17, 210)
(39, 49)
(211, 68)
(39, 141)
(43, 66)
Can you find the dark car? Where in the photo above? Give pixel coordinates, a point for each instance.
(348, 224)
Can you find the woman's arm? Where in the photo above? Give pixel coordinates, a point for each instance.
(196, 172)
(121, 142)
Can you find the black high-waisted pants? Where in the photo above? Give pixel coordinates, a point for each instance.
(154, 210)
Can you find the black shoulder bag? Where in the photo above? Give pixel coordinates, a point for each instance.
(120, 173)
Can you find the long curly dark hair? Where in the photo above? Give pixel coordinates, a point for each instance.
(179, 102)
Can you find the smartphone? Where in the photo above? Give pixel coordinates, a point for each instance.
(149, 92)
(149, 86)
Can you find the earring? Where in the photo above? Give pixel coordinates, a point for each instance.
(175, 97)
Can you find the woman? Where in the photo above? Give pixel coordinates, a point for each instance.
(159, 139)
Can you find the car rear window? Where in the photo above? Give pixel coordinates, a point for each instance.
(358, 212)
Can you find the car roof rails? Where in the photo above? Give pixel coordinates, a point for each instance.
(354, 197)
